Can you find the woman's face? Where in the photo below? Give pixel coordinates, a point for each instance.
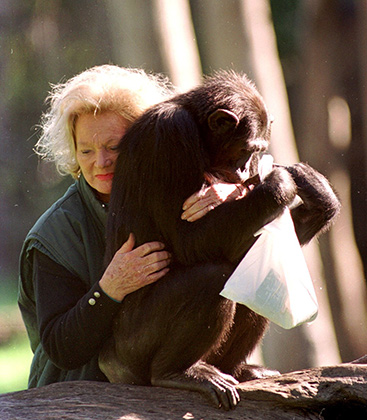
(97, 137)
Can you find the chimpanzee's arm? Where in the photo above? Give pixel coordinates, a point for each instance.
(320, 203)
(227, 232)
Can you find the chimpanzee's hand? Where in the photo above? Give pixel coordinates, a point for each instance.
(281, 185)
(311, 185)
(320, 203)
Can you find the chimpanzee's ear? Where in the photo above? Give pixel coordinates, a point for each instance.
(222, 121)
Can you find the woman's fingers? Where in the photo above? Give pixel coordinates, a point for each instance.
(128, 245)
(148, 248)
(199, 210)
(131, 269)
(191, 201)
(155, 265)
(200, 204)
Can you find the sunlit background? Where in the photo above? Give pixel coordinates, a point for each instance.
(308, 59)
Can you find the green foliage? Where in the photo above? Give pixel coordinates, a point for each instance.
(15, 351)
(15, 361)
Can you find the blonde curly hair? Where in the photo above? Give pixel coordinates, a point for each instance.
(128, 92)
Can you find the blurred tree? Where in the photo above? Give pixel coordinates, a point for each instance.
(157, 36)
(330, 121)
(306, 345)
(41, 42)
(176, 34)
(135, 42)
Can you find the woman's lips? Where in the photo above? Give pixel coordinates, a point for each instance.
(104, 177)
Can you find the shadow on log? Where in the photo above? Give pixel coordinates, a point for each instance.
(329, 393)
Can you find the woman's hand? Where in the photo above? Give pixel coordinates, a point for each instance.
(200, 203)
(131, 269)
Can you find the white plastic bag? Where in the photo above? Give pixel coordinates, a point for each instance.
(273, 279)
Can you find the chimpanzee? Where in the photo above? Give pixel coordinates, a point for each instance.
(179, 332)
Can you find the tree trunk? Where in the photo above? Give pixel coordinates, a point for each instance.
(329, 59)
(337, 392)
(134, 39)
(177, 43)
(315, 344)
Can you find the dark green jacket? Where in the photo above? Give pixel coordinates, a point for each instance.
(72, 233)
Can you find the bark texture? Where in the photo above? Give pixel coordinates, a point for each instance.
(334, 392)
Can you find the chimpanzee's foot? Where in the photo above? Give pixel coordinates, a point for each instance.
(246, 372)
(218, 387)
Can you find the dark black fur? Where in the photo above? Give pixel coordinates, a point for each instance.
(173, 332)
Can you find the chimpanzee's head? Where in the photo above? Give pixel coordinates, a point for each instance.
(234, 120)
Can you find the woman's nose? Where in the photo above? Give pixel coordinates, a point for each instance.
(103, 159)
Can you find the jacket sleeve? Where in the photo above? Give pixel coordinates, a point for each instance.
(73, 322)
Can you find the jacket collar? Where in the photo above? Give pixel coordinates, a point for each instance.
(98, 209)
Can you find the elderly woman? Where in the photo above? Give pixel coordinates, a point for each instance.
(66, 298)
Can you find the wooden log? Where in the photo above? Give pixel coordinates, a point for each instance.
(335, 392)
